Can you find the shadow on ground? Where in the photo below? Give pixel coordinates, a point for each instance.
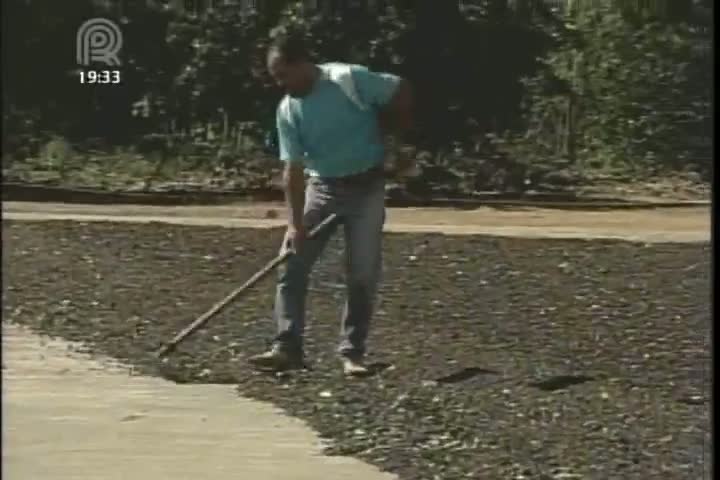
(560, 382)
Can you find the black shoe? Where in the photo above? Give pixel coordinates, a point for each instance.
(277, 359)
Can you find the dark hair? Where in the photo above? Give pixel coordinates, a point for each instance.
(291, 47)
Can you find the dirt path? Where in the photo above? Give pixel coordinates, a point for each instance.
(691, 224)
(69, 417)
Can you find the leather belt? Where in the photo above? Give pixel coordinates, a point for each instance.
(361, 178)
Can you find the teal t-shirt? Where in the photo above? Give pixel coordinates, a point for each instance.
(330, 134)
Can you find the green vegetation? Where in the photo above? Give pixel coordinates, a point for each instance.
(512, 95)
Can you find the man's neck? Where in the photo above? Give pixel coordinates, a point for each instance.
(315, 73)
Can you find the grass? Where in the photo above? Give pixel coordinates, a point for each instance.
(251, 169)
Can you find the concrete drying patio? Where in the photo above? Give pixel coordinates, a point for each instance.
(66, 416)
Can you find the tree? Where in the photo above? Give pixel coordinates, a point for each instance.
(639, 88)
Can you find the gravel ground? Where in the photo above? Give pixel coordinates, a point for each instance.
(497, 358)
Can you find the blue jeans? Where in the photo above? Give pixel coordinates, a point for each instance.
(361, 212)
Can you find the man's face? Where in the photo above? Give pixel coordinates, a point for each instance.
(288, 76)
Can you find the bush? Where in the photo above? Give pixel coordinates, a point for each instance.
(619, 94)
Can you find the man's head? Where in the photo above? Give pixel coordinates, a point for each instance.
(290, 66)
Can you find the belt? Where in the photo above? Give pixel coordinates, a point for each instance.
(356, 179)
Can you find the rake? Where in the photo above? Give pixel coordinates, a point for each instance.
(225, 302)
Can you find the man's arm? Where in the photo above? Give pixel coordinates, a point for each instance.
(294, 187)
(292, 154)
(392, 97)
(396, 116)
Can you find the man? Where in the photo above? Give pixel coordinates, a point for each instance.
(335, 135)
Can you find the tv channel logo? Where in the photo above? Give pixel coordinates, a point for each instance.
(98, 41)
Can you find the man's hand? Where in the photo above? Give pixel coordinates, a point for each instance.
(295, 237)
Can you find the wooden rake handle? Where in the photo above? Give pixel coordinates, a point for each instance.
(222, 304)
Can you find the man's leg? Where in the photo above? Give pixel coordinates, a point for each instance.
(363, 222)
(293, 277)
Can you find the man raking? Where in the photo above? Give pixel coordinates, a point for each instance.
(329, 124)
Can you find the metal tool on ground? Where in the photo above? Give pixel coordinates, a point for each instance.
(222, 304)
